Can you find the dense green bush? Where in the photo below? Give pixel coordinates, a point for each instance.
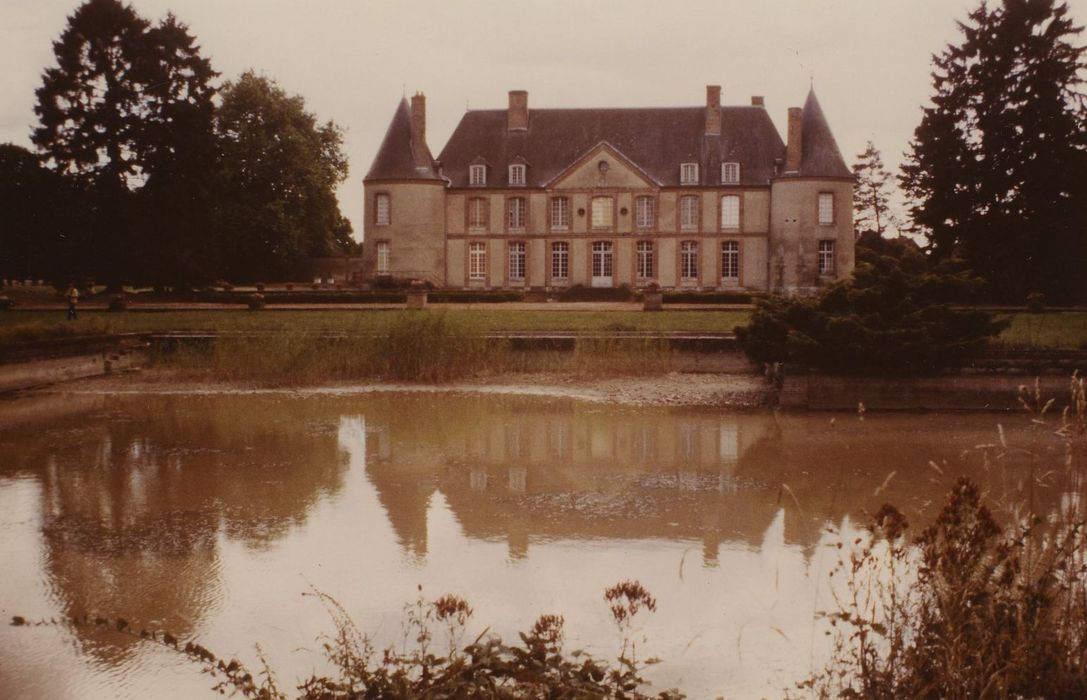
(892, 316)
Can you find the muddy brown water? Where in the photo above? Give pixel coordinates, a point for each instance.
(211, 515)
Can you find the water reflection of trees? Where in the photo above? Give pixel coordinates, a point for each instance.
(518, 470)
(135, 497)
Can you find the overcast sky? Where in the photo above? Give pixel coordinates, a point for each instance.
(352, 60)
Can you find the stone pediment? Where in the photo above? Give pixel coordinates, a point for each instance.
(602, 166)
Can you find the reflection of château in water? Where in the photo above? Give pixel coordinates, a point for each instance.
(519, 470)
(133, 501)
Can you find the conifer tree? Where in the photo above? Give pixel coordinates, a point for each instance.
(872, 194)
(997, 167)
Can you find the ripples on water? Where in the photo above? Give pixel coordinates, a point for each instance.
(210, 516)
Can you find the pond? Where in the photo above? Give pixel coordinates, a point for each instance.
(212, 515)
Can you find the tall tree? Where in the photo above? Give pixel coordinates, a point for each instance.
(872, 195)
(39, 233)
(998, 166)
(280, 168)
(127, 103)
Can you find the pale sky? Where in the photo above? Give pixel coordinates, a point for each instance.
(352, 60)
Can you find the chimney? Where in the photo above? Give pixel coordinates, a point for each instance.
(794, 147)
(757, 101)
(713, 110)
(419, 150)
(517, 117)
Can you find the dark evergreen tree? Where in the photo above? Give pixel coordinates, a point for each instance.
(998, 166)
(872, 195)
(39, 233)
(128, 105)
(279, 173)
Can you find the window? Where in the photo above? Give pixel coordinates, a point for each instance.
(643, 212)
(730, 211)
(688, 212)
(477, 212)
(517, 175)
(382, 257)
(688, 174)
(602, 260)
(688, 260)
(477, 175)
(645, 259)
(730, 260)
(603, 212)
(381, 209)
(560, 213)
(560, 260)
(477, 261)
(826, 208)
(826, 257)
(517, 261)
(730, 173)
(515, 213)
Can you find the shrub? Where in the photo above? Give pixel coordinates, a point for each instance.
(893, 316)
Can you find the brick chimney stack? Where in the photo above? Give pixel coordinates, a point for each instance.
(758, 101)
(419, 150)
(713, 110)
(794, 149)
(517, 117)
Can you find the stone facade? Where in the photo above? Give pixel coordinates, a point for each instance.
(689, 198)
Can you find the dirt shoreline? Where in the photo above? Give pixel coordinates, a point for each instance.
(673, 389)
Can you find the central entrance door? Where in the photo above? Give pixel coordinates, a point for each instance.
(602, 264)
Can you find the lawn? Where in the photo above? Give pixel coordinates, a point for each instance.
(1053, 329)
(25, 325)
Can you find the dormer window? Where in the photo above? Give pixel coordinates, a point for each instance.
(688, 174)
(517, 175)
(730, 173)
(477, 175)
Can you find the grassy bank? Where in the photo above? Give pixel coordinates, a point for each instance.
(418, 347)
(1046, 330)
(25, 325)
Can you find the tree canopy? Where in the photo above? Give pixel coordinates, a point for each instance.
(279, 171)
(998, 166)
(872, 194)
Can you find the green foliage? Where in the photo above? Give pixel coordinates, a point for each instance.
(277, 200)
(891, 317)
(998, 166)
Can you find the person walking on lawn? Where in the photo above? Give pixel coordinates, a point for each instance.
(73, 298)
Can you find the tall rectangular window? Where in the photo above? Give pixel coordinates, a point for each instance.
(688, 212)
(515, 213)
(730, 260)
(643, 212)
(688, 260)
(560, 213)
(645, 259)
(382, 257)
(730, 173)
(477, 212)
(826, 208)
(381, 210)
(730, 211)
(517, 175)
(477, 261)
(560, 260)
(517, 261)
(826, 257)
(603, 212)
(477, 175)
(688, 174)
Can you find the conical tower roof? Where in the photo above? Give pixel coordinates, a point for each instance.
(395, 159)
(820, 156)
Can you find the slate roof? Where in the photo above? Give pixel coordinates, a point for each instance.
(394, 159)
(657, 140)
(820, 156)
